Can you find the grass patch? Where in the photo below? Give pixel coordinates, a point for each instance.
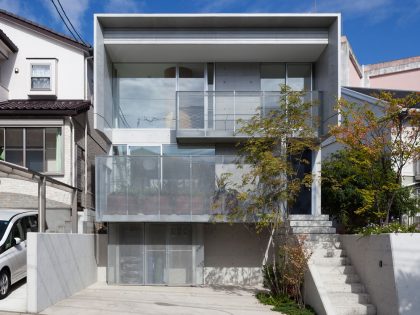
(283, 304)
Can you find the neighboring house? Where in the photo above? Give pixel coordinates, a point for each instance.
(402, 74)
(169, 90)
(362, 84)
(45, 121)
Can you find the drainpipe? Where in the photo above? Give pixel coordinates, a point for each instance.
(73, 181)
(85, 76)
(86, 158)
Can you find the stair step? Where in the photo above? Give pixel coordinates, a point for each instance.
(333, 238)
(357, 309)
(330, 261)
(345, 287)
(308, 217)
(311, 230)
(314, 223)
(343, 270)
(328, 253)
(344, 298)
(341, 278)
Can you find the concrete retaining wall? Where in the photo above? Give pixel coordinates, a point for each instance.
(233, 254)
(388, 266)
(59, 265)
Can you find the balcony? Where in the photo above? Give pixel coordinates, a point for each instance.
(218, 116)
(161, 188)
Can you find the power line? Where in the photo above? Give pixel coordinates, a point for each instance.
(71, 24)
(64, 21)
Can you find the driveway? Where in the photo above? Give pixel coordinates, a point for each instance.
(103, 299)
(16, 300)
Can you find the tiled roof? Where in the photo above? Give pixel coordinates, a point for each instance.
(50, 107)
(42, 29)
(8, 42)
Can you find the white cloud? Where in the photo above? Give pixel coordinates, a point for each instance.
(123, 6)
(75, 10)
(18, 7)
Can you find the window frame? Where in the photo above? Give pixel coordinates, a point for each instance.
(52, 63)
(24, 147)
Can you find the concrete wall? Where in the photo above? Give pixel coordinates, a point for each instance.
(388, 266)
(59, 265)
(327, 76)
(233, 254)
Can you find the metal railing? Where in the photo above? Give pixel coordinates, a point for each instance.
(162, 188)
(220, 113)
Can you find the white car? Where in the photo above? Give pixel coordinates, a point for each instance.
(14, 224)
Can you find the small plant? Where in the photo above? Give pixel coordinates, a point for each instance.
(283, 304)
(286, 276)
(393, 227)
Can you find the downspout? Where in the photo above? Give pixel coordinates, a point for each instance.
(74, 215)
(85, 77)
(86, 159)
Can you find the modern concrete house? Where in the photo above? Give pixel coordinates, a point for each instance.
(46, 82)
(169, 90)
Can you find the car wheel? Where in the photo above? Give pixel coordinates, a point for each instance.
(4, 284)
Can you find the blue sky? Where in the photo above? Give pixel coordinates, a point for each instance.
(378, 30)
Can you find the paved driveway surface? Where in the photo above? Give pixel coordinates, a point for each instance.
(16, 300)
(111, 300)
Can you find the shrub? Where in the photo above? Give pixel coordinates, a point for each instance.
(393, 227)
(285, 276)
(283, 304)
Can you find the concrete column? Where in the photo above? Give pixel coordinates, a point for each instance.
(42, 200)
(74, 217)
(316, 183)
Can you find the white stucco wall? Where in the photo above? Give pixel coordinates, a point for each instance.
(393, 287)
(59, 265)
(31, 44)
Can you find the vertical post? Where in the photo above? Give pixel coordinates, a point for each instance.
(316, 183)
(42, 198)
(74, 211)
(234, 111)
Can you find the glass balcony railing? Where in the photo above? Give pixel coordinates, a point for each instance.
(219, 114)
(163, 188)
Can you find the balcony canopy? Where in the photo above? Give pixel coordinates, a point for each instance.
(216, 37)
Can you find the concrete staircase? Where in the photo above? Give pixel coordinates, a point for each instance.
(341, 286)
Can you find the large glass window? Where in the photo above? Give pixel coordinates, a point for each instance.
(39, 149)
(273, 76)
(299, 77)
(144, 95)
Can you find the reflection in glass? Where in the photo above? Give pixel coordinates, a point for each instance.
(273, 76)
(145, 95)
(299, 77)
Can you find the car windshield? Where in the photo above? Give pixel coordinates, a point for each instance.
(3, 227)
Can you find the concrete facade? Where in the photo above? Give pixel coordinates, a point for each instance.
(388, 266)
(59, 265)
(236, 47)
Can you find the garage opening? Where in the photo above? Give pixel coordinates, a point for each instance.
(155, 254)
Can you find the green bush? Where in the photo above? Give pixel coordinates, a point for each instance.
(284, 305)
(393, 227)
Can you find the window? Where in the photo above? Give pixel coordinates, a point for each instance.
(41, 77)
(39, 149)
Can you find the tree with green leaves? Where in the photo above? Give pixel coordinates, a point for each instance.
(270, 161)
(379, 141)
